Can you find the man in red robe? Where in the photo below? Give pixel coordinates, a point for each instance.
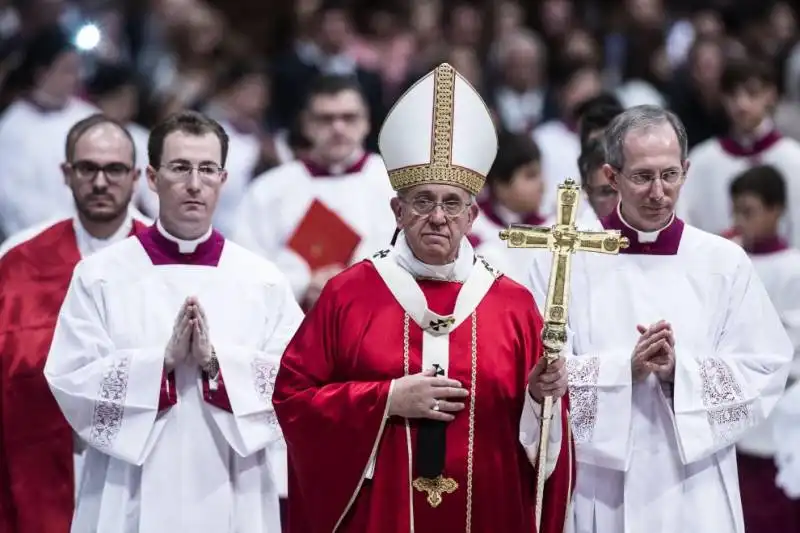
(37, 473)
(410, 396)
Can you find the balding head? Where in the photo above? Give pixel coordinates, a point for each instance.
(519, 43)
(100, 169)
(520, 56)
(91, 124)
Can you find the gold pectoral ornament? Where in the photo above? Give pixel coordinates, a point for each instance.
(435, 487)
(563, 239)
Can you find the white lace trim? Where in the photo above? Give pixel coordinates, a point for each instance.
(109, 408)
(728, 414)
(583, 374)
(264, 374)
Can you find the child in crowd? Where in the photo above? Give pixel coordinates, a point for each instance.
(514, 195)
(759, 201)
(749, 94)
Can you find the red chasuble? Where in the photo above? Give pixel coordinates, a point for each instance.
(330, 397)
(36, 446)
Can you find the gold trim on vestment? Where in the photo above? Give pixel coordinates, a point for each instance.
(441, 168)
(471, 441)
(408, 430)
(471, 431)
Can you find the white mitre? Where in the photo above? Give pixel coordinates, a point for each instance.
(439, 131)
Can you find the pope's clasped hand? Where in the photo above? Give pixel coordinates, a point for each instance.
(426, 395)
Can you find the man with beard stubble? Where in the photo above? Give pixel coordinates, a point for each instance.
(37, 452)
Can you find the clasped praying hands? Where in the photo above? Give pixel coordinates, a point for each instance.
(190, 338)
(654, 352)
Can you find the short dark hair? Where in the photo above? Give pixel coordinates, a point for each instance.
(80, 128)
(740, 71)
(595, 114)
(763, 181)
(190, 122)
(38, 51)
(565, 71)
(110, 77)
(591, 158)
(237, 70)
(332, 84)
(513, 151)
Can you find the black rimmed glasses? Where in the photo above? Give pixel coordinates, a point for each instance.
(89, 170)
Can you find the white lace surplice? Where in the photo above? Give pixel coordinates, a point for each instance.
(652, 457)
(193, 467)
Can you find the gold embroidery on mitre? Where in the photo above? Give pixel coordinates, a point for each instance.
(441, 168)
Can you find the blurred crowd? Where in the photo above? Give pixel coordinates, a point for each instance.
(534, 64)
(311, 104)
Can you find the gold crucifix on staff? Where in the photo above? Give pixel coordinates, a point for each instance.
(563, 239)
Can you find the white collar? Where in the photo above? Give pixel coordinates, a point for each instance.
(505, 214)
(184, 246)
(88, 244)
(337, 64)
(646, 236)
(458, 270)
(344, 166)
(761, 131)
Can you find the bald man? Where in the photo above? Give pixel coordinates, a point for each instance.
(38, 460)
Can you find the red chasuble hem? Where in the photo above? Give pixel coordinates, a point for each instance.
(169, 393)
(217, 397)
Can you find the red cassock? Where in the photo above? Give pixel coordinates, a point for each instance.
(330, 397)
(37, 491)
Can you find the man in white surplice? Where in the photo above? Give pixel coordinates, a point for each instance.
(177, 412)
(677, 351)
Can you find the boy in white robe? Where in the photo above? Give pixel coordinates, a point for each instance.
(677, 351)
(515, 194)
(33, 129)
(759, 201)
(558, 139)
(164, 359)
(239, 103)
(749, 94)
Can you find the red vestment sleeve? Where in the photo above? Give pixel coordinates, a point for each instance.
(169, 394)
(217, 397)
(331, 427)
(37, 492)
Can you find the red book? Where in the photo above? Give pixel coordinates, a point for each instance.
(323, 239)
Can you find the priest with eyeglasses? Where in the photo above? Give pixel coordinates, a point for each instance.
(675, 350)
(410, 396)
(164, 359)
